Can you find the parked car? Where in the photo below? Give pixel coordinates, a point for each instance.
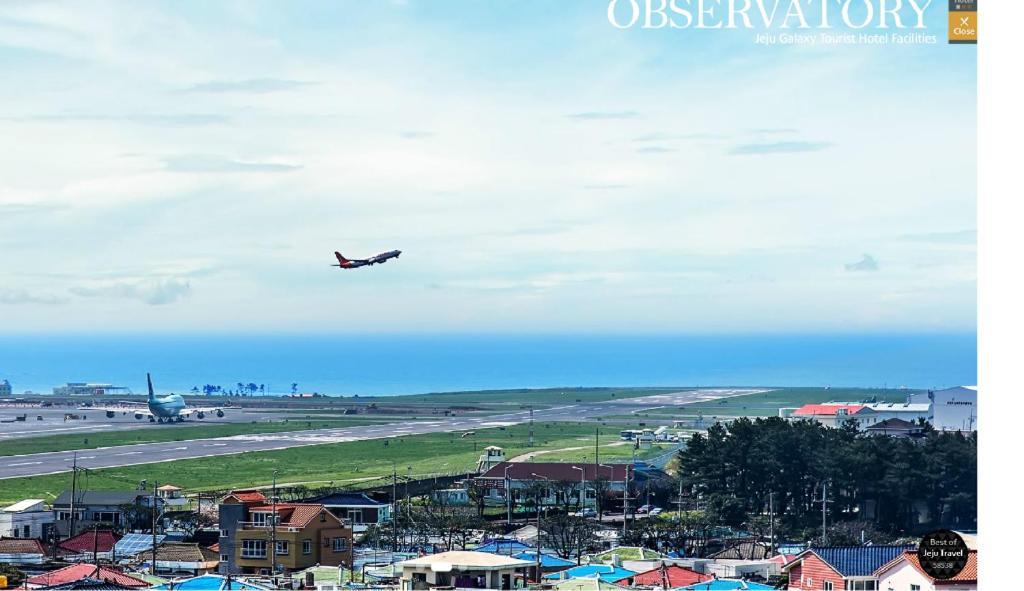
(656, 511)
(643, 509)
(587, 512)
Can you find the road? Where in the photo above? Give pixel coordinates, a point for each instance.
(125, 455)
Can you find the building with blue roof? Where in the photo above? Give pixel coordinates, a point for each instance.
(506, 546)
(210, 583)
(606, 572)
(728, 585)
(840, 567)
(548, 562)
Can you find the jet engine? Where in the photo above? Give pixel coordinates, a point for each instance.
(220, 413)
(138, 416)
(201, 415)
(110, 414)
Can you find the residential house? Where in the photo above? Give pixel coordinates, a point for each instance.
(728, 585)
(519, 476)
(67, 577)
(181, 558)
(904, 573)
(357, 509)
(103, 508)
(95, 542)
(506, 546)
(172, 497)
(21, 551)
(834, 414)
(851, 568)
(549, 563)
(744, 550)
(232, 511)
(30, 518)
(305, 534)
(894, 428)
(462, 569)
(666, 576)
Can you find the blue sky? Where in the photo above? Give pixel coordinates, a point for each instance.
(191, 166)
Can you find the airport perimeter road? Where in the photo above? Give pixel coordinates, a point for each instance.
(125, 455)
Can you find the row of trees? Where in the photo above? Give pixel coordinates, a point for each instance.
(242, 389)
(895, 486)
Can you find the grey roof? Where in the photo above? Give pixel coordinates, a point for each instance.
(99, 497)
(347, 499)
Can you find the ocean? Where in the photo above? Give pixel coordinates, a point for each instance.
(412, 364)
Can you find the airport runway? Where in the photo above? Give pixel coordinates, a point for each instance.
(53, 422)
(108, 457)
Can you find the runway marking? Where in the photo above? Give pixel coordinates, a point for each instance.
(24, 464)
(128, 453)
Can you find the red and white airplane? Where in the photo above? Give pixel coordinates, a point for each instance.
(375, 259)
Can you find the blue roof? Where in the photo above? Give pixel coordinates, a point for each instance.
(503, 546)
(858, 561)
(210, 583)
(728, 585)
(546, 560)
(605, 572)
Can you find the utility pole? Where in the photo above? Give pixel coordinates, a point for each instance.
(74, 492)
(508, 497)
(824, 512)
(394, 506)
(530, 444)
(679, 501)
(152, 561)
(771, 524)
(625, 504)
(273, 529)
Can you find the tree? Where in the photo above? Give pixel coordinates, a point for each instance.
(602, 493)
(14, 576)
(569, 536)
(295, 387)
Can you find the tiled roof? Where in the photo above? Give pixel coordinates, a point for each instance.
(99, 497)
(556, 471)
(248, 496)
(21, 546)
(87, 541)
(183, 552)
(810, 410)
(348, 500)
(968, 575)
(857, 561)
(674, 575)
(82, 570)
(294, 514)
(465, 560)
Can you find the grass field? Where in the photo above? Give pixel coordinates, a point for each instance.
(45, 443)
(768, 403)
(516, 398)
(340, 463)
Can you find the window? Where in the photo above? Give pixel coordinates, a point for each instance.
(107, 516)
(861, 585)
(254, 548)
(26, 531)
(282, 547)
(259, 518)
(827, 585)
(307, 546)
(339, 544)
(355, 515)
(225, 533)
(224, 558)
(914, 587)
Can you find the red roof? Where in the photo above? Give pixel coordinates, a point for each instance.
(293, 514)
(82, 570)
(214, 548)
(102, 541)
(968, 575)
(21, 546)
(674, 575)
(809, 410)
(556, 471)
(248, 496)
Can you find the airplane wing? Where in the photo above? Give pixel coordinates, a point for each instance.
(201, 411)
(138, 412)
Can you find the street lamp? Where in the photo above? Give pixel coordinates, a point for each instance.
(508, 497)
(583, 486)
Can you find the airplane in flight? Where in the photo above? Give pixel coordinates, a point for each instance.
(356, 263)
(160, 409)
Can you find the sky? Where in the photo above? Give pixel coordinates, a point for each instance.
(192, 166)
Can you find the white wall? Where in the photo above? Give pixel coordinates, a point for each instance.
(901, 577)
(955, 409)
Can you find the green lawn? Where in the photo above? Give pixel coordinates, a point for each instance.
(156, 434)
(769, 403)
(340, 463)
(517, 398)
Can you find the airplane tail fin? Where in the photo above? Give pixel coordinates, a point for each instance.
(341, 258)
(149, 382)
